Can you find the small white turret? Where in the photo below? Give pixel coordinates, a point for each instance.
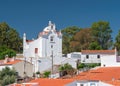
(50, 23)
(24, 38)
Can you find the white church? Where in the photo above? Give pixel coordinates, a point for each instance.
(42, 50)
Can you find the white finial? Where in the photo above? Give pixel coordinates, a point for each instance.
(24, 34)
(50, 23)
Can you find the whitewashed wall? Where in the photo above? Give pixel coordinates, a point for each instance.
(109, 61)
(92, 58)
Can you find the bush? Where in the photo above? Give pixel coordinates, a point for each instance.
(66, 69)
(6, 51)
(46, 74)
(7, 76)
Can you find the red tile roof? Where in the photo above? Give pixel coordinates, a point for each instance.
(114, 82)
(52, 82)
(46, 32)
(25, 84)
(11, 62)
(103, 74)
(98, 51)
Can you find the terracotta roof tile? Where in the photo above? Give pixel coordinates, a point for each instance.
(113, 82)
(98, 51)
(11, 62)
(52, 82)
(104, 74)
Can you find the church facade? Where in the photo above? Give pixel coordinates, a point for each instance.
(48, 44)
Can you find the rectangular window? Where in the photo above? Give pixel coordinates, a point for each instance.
(92, 84)
(87, 56)
(36, 50)
(98, 56)
(81, 84)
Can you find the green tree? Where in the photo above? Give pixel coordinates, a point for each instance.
(117, 42)
(6, 51)
(94, 46)
(15, 41)
(68, 34)
(81, 66)
(7, 76)
(10, 37)
(101, 33)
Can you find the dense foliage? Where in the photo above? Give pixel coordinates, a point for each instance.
(6, 51)
(46, 74)
(68, 35)
(97, 37)
(117, 42)
(86, 66)
(66, 69)
(10, 37)
(7, 76)
(101, 33)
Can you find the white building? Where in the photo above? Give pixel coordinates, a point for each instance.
(110, 61)
(95, 56)
(47, 45)
(108, 58)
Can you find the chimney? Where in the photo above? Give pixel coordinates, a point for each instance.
(6, 59)
(113, 79)
(13, 58)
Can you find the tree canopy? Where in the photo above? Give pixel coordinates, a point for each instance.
(97, 37)
(117, 42)
(82, 39)
(10, 37)
(68, 34)
(101, 33)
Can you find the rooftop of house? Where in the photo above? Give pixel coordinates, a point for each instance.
(13, 62)
(9, 61)
(45, 82)
(24, 84)
(102, 74)
(113, 82)
(98, 51)
(52, 82)
(110, 75)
